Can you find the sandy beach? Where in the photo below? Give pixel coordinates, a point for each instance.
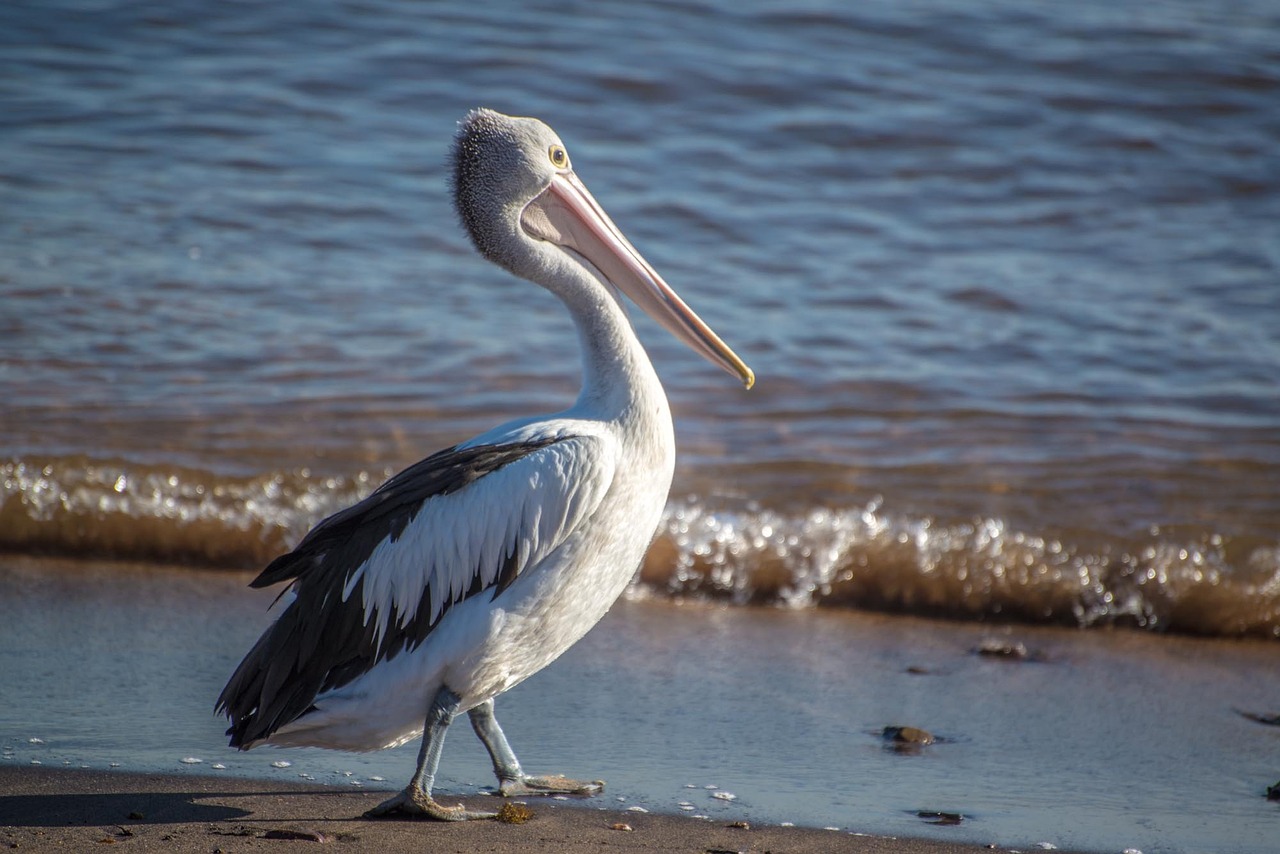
(1005, 272)
(1095, 741)
(43, 809)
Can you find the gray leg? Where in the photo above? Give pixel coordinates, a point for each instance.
(416, 798)
(512, 781)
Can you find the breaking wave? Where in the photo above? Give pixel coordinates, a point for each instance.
(858, 557)
(869, 558)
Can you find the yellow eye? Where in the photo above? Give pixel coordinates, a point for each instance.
(559, 157)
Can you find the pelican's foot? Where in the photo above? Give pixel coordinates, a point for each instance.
(415, 802)
(527, 785)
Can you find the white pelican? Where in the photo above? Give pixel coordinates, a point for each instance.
(468, 572)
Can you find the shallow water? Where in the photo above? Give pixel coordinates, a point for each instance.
(1100, 741)
(1007, 275)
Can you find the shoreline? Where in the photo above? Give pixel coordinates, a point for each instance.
(74, 809)
(1092, 741)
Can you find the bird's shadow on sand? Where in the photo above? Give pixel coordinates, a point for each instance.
(127, 808)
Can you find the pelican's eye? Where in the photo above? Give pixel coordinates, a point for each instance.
(559, 157)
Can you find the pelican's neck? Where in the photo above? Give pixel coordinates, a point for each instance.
(616, 372)
(618, 380)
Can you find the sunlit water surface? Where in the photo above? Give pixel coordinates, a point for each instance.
(1007, 274)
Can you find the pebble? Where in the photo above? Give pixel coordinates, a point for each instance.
(994, 648)
(1267, 719)
(907, 735)
(297, 835)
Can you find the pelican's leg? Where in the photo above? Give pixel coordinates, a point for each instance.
(512, 781)
(416, 798)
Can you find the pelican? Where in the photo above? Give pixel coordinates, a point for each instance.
(473, 569)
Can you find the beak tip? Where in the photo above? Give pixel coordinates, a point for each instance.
(748, 379)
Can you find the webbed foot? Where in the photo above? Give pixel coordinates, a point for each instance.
(554, 784)
(415, 802)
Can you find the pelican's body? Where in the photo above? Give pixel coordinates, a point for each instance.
(472, 570)
(482, 646)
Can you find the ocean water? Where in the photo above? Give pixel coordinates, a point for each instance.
(1008, 275)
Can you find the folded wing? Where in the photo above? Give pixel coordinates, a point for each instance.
(375, 579)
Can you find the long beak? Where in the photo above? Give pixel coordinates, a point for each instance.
(566, 214)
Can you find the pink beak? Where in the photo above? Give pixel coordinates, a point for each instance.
(566, 214)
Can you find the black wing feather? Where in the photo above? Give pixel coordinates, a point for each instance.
(321, 642)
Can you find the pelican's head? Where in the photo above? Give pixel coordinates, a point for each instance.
(518, 197)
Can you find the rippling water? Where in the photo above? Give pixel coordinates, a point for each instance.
(1007, 275)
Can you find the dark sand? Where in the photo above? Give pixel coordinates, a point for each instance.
(72, 810)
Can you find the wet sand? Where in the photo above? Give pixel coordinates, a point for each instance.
(47, 809)
(1097, 741)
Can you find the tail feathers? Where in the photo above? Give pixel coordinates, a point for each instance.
(268, 689)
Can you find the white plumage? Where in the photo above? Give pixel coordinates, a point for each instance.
(527, 508)
(472, 570)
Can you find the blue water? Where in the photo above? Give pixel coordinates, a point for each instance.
(1008, 274)
(996, 267)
